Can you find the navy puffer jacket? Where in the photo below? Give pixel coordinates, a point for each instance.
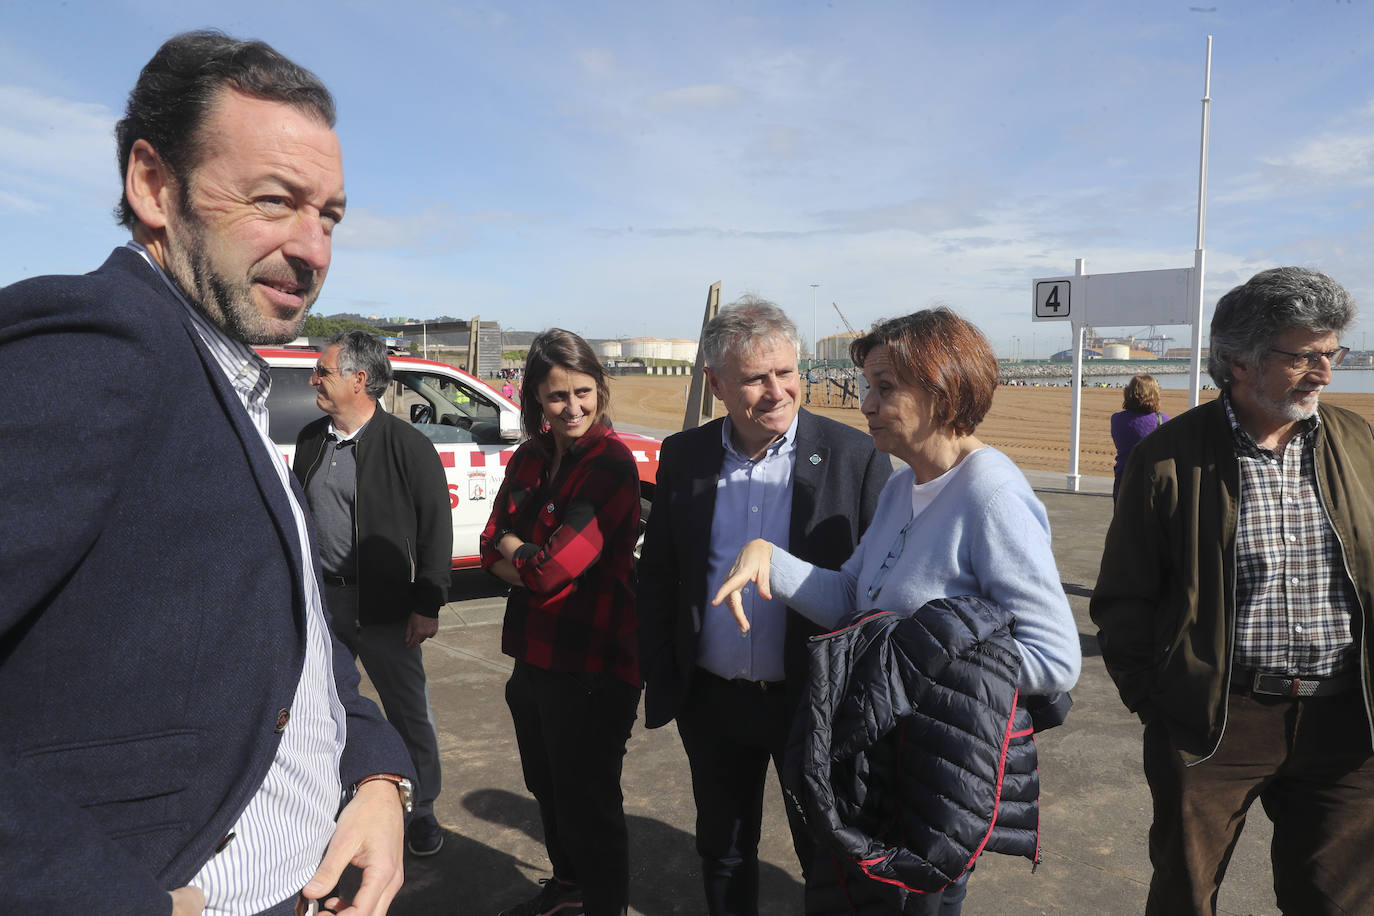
(909, 755)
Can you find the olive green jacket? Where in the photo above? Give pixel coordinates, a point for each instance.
(1165, 602)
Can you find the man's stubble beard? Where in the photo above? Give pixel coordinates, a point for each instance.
(232, 310)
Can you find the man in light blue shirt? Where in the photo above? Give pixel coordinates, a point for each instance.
(768, 469)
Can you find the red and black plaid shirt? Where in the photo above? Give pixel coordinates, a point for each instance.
(577, 609)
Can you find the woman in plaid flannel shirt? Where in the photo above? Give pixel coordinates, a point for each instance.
(562, 532)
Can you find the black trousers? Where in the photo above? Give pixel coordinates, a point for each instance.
(1309, 763)
(730, 732)
(572, 730)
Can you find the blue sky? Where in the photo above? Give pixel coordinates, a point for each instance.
(597, 165)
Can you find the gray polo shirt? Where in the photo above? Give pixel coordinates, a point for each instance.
(330, 495)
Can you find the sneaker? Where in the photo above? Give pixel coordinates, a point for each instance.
(424, 836)
(556, 899)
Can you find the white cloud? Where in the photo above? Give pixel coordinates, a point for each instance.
(19, 203)
(713, 95)
(432, 231)
(1343, 158)
(59, 138)
(595, 61)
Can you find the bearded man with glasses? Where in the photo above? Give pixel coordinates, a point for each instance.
(1234, 591)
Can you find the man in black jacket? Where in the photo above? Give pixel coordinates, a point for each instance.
(768, 469)
(380, 499)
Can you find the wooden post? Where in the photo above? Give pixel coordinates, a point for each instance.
(700, 403)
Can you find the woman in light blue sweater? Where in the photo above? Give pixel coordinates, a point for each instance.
(960, 519)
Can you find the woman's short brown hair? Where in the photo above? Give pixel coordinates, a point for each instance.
(943, 355)
(1141, 395)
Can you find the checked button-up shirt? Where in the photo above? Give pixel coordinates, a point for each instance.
(1294, 599)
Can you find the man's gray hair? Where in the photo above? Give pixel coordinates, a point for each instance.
(1251, 317)
(362, 351)
(742, 326)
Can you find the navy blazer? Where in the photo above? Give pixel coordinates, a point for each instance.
(834, 497)
(151, 603)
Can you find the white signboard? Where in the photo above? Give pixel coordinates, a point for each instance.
(1139, 297)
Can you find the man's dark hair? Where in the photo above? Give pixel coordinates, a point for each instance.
(557, 347)
(178, 87)
(1252, 316)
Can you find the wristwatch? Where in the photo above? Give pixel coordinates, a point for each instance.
(403, 785)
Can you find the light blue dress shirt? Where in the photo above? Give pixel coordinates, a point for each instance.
(753, 500)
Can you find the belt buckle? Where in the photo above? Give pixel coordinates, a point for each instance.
(1291, 687)
(1259, 680)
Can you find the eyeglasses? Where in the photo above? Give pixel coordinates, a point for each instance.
(1308, 360)
(324, 371)
(881, 575)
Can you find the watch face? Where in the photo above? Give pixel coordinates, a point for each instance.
(407, 794)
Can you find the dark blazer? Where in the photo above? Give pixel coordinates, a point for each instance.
(401, 511)
(833, 500)
(151, 603)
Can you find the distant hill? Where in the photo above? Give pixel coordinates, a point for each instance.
(511, 340)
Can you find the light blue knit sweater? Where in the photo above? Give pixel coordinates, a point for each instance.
(985, 534)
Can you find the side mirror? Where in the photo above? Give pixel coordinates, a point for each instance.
(421, 413)
(510, 426)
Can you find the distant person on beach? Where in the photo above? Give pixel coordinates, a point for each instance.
(768, 468)
(1138, 418)
(1234, 603)
(562, 532)
(958, 520)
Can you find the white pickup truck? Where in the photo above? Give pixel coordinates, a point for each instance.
(474, 429)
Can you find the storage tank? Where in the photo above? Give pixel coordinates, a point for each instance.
(836, 346)
(685, 350)
(1116, 351)
(646, 348)
(610, 349)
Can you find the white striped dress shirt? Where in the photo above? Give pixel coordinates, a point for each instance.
(281, 836)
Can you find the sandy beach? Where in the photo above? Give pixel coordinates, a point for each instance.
(1030, 424)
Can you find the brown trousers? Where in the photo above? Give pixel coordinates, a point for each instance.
(1310, 765)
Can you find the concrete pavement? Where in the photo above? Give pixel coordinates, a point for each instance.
(1095, 806)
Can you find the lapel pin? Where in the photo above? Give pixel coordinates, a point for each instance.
(815, 459)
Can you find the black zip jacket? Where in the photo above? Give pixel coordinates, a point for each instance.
(911, 755)
(403, 526)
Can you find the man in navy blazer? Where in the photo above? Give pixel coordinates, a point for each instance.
(768, 468)
(178, 727)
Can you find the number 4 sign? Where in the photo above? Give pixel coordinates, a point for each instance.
(1052, 298)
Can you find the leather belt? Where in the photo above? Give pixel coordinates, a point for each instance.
(1263, 683)
(761, 686)
(339, 581)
